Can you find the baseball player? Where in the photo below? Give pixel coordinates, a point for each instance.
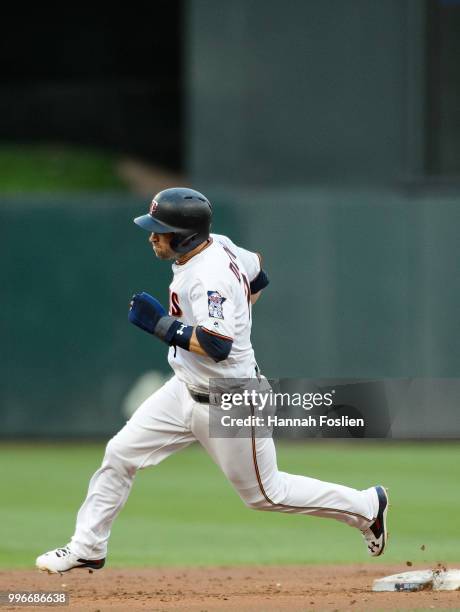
(208, 327)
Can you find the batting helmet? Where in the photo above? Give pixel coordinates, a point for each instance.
(184, 212)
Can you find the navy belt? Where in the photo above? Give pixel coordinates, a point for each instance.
(201, 398)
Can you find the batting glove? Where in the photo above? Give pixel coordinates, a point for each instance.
(145, 311)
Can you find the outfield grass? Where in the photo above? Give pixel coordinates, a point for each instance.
(35, 168)
(184, 511)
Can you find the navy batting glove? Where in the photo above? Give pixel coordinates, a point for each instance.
(145, 311)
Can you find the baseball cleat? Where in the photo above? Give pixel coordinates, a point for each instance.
(62, 560)
(376, 535)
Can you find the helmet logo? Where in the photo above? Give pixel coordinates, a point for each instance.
(153, 207)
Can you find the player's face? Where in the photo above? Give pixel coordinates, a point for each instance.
(160, 244)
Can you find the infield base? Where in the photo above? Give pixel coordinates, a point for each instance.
(420, 580)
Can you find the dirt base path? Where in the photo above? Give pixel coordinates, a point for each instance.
(255, 588)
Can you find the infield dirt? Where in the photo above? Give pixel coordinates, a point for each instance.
(242, 588)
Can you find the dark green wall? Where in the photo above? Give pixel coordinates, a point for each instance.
(69, 268)
(363, 284)
(69, 355)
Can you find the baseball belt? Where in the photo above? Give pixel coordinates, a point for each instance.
(201, 398)
(204, 398)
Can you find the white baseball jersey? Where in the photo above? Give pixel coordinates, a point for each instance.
(212, 290)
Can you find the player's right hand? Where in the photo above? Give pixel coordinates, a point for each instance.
(145, 311)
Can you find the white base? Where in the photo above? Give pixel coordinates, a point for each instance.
(433, 580)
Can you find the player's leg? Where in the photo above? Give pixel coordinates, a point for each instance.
(251, 466)
(158, 428)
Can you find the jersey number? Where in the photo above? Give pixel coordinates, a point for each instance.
(174, 308)
(239, 275)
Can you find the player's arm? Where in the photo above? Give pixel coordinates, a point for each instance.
(204, 342)
(258, 278)
(148, 313)
(252, 263)
(258, 282)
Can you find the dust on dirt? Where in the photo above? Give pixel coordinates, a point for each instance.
(242, 588)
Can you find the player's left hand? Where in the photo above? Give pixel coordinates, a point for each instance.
(145, 311)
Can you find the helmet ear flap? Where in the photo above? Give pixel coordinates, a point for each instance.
(180, 244)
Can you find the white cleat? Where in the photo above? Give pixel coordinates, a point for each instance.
(63, 559)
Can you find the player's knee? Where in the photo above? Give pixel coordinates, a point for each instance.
(255, 500)
(113, 454)
(268, 498)
(257, 504)
(116, 457)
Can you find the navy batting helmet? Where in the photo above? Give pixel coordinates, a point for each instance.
(184, 212)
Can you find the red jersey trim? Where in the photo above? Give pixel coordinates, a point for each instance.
(213, 333)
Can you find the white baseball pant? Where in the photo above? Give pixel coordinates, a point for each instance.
(170, 420)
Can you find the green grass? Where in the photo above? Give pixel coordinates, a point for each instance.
(184, 511)
(35, 168)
